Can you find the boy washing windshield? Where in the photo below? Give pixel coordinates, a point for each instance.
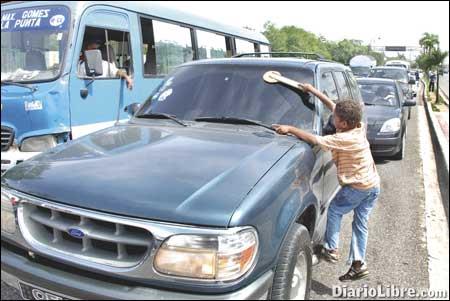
(357, 175)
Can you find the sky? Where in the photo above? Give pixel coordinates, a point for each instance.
(377, 23)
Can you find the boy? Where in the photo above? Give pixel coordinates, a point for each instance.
(356, 173)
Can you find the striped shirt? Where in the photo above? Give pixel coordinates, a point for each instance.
(352, 156)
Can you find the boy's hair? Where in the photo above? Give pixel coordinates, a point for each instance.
(349, 111)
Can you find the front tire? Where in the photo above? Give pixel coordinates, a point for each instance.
(292, 279)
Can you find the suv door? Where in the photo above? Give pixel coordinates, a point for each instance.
(327, 85)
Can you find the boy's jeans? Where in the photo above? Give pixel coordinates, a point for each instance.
(348, 199)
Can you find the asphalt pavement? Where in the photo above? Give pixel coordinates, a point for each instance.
(397, 250)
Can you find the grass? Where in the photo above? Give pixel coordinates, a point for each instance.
(435, 107)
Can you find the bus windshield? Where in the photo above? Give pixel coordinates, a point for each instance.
(33, 43)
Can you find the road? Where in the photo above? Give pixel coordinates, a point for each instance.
(397, 250)
(443, 83)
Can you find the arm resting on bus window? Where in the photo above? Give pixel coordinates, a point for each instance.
(123, 74)
(325, 100)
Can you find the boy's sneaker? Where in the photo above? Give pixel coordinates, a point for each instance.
(331, 256)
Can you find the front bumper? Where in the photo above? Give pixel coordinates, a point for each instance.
(385, 145)
(17, 267)
(14, 156)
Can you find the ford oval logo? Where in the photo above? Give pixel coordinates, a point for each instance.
(77, 233)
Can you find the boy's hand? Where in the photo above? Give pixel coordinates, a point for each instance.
(308, 88)
(281, 129)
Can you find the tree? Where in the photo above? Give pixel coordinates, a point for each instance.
(428, 42)
(295, 39)
(432, 57)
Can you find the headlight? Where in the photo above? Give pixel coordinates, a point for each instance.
(208, 257)
(390, 126)
(8, 217)
(38, 144)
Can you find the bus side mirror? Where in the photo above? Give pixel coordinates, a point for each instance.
(131, 109)
(93, 62)
(412, 81)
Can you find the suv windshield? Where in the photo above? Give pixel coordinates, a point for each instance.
(33, 43)
(238, 91)
(379, 94)
(397, 74)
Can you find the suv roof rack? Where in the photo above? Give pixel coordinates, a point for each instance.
(306, 55)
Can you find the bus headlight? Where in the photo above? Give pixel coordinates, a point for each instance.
(7, 209)
(208, 257)
(391, 126)
(38, 144)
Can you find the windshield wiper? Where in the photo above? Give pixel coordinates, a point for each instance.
(234, 120)
(11, 83)
(161, 116)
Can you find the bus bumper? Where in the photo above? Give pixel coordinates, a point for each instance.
(14, 156)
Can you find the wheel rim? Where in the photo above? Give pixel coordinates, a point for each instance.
(299, 278)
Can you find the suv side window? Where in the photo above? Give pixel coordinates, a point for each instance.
(328, 87)
(343, 87)
(354, 87)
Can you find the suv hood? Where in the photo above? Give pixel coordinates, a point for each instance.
(191, 175)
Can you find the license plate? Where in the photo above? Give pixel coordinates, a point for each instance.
(32, 292)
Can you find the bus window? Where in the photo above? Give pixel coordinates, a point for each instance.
(164, 46)
(118, 54)
(244, 46)
(210, 45)
(148, 47)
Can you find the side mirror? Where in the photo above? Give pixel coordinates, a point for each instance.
(93, 62)
(409, 103)
(412, 82)
(131, 109)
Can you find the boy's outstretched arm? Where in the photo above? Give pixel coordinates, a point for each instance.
(326, 101)
(300, 134)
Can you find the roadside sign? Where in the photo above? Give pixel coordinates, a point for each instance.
(395, 48)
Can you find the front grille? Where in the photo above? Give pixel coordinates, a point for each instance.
(374, 128)
(102, 242)
(7, 138)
